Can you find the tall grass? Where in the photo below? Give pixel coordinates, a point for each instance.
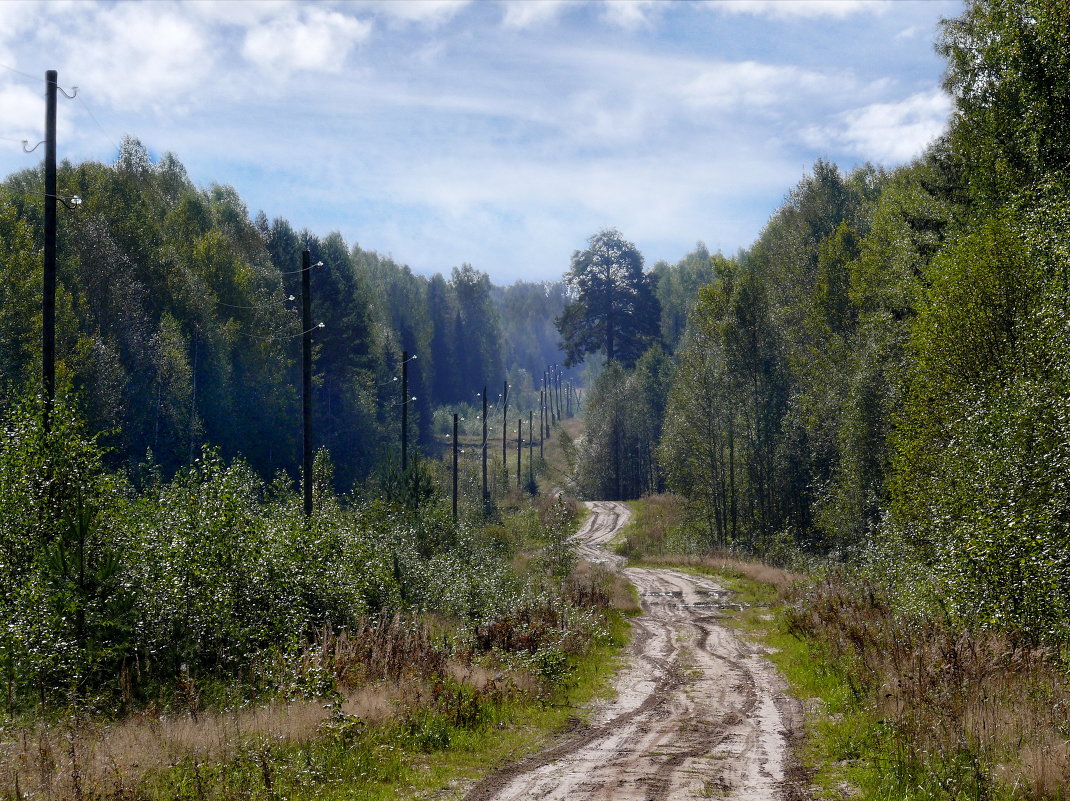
(197, 637)
(951, 712)
(914, 702)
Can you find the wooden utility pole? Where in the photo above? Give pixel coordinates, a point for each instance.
(486, 496)
(505, 426)
(549, 400)
(546, 403)
(455, 452)
(48, 301)
(554, 416)
(558, 370)
(542, 419)
(531, 441)
(306, 377)
(519, 445)
(404, 411)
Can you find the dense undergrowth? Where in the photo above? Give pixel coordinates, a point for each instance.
(199, 638)
(905, 700)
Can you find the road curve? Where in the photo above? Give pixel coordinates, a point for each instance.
(699, 712)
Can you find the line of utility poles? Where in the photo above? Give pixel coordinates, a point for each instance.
(550, 394)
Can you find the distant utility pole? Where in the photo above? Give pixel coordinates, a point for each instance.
(455, 451)
(531, 441)
(546, 404)
(306, 377)
(542, 419)
(404, 411)
(486, 497)
(550, 393)
(549, 399)
(557, 369)
(519, 446)
(505, 426)
(48, 301)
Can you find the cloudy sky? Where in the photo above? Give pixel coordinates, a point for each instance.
(499, 134)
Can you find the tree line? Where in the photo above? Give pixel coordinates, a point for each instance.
(178, 323)
(887, 365)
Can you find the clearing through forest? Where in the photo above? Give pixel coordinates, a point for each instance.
(699, 712)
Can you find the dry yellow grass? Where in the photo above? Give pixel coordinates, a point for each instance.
(656, 518)
(948, 695)
(779, 578)
(87, 759)
(381, 668)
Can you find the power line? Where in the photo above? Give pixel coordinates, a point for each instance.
(92, 116)
(283, 336)
(265, 307)
(80, 95)
(23, 74)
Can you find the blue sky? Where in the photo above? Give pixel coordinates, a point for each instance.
(499, 134)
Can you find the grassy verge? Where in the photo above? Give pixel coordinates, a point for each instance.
(559, 456)
(900, 705)
(433, 749)
(405, 705)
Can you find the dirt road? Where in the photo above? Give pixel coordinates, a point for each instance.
(699, 712)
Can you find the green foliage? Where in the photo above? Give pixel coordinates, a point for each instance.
(19, 286)
(1008, 69)
(64, 615)
(678, 288)
(176, 326)
(614, 310)
(527, 312)
(624, 415)
(982, 442)
(412, 488)
(114, 595)
(889, 360)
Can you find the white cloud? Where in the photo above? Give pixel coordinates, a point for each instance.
(483, 124)
(244, 13)
(632, 14)
(749, 83)
(428, 12)
(888, 133)
(315, 39)
(139, 55)
(14, 17)
(794, 9)
(521, 14)
(22, 114)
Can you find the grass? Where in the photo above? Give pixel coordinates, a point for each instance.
(387, 740)
(388, 709)
(899, 706)
(556, 455)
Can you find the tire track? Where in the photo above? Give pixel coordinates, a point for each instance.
(698, 712)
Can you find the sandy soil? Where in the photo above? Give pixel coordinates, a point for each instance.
(699, 712)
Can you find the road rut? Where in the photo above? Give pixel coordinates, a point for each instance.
(699, 712)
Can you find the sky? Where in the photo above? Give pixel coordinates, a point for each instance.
(501, 134)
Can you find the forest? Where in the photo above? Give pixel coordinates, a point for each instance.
(177, 310)
(885, 368)
(875, 393)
